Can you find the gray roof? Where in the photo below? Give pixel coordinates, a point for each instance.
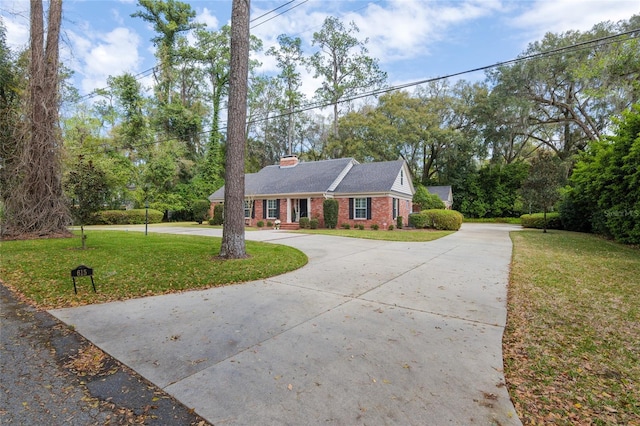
(317, 177)
(444, 192)
(304, 178)
(370, 177)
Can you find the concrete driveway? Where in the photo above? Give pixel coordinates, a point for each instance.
(369, 332)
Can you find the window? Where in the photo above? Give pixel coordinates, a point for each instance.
(360, 209)
(401, 177)
(247, 209)
(272, 209)
(396, 207)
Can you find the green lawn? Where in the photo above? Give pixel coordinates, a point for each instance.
(572, 343)
(130, 264)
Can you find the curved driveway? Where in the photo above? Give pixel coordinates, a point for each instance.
(369, 332)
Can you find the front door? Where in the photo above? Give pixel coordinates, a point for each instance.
(299, 208)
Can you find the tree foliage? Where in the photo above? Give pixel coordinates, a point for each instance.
(542, 186)
(343, 64)
(87, 187)
(605, 184)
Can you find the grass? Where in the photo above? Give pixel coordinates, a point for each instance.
(511, 220)
(572, 342)
(130, 264)
(413, 235)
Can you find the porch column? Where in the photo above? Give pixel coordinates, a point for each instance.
(288, 210)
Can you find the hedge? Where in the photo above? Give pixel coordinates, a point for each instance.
(128, 217)
(536, 220)
(443, 220)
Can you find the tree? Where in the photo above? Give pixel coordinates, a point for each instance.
(343, 64)
(36, 204)
(605, 184)
(169, 18)
(542, 186)
(426, 200)
(572, 93)
(289, 56)
(11, 86)
(87, 187)
(233, 242)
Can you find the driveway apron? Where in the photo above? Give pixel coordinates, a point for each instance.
(369, 332)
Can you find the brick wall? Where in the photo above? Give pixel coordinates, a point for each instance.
(381, 213)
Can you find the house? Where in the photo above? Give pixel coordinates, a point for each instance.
(445, 193)
(367, 194)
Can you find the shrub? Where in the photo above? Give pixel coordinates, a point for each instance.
(375, 227)
(360, 227)
(260, 224)
(330, 212)
(443, 220)
(427, 200)
(200, 209)
(345, 226)
(304, 223)
(390, 228)
(128, 217)
(399, 222)
(218, 215)
(313, 223)
(269, 224)
(536, 220)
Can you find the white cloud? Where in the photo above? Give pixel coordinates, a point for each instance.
(207, 18)
(99, 56)
(558, 16)
(16, 24)
(405, 29)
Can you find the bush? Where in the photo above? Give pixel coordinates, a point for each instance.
(443, 220)
(390, 228)
(269, 224)
(330, 212)
(418, 220)
(304, 223)
(200, 209)
(218, 215)
(399, 222)
(345, 226)
(313, 223)
(360, 226)
(260, 224)
(128, 217)
(536, 220)
(375, 227)
(426, 200)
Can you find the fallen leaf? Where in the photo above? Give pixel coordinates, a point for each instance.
(290, 386)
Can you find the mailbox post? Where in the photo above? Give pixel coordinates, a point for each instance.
(146, 216)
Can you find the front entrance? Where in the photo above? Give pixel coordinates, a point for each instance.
(299, 208)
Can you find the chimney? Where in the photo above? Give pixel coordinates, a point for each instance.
(288, 161)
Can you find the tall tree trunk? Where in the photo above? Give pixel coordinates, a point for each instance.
(36, 206)
(233, 243)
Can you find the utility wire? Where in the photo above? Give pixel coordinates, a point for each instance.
(320, 105)
(148, 71)
(281, 13)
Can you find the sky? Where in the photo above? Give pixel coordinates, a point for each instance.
(413, 40)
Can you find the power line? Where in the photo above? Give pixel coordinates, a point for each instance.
(320, 105)
(145, 73)
(279, 14)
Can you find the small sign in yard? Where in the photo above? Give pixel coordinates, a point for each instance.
(82, 271)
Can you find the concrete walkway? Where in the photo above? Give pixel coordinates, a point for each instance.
(369, 332)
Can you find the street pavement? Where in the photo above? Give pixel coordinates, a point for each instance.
(368, 332)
